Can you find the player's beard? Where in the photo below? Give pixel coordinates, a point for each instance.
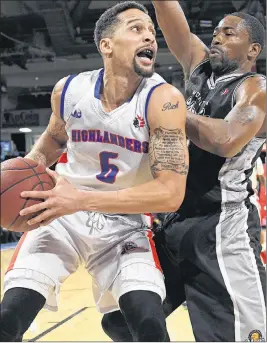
(223, 65)
(142, 71)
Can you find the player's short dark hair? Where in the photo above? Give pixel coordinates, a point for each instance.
(107, 22)
(254, 27)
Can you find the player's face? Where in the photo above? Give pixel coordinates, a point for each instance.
(230, 45)
(133, 44)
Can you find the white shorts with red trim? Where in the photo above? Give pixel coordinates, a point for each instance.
(117, 250)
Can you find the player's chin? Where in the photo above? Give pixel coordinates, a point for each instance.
(144, 70)
(216, 65)
(217, 59)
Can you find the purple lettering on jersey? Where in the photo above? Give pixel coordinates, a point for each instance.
(145, 146)
(110, 138)
(113, 139)
(106, 137)
(137, 146)
(84, 135)
(91, 135)
(129, 144)
(121, 141)
(74, 135)
(99, 138)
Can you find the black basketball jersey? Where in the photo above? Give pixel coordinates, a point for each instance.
(214, 180)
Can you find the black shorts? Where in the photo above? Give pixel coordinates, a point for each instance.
(213, 262)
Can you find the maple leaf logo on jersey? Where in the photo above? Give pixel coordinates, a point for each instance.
(138, 122)
(226, 91)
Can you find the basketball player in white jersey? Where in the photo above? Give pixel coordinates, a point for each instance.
(126, 154)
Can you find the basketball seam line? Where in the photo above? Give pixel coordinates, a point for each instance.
(2, 170)
(14, 184)
(36, 174)
(40, 182)
(25, 202)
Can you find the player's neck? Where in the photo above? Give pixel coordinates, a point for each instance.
(242, 69)
(117, 89)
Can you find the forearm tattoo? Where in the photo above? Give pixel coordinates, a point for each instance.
(167, 151)
(38, 157)
(45, 151)
(58, 132)
(45, 157)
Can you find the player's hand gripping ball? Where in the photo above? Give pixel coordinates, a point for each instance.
(18, 175)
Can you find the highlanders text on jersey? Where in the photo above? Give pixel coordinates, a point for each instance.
(105, 151)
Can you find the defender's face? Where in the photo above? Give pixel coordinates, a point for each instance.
(133, 43)
(230, 45)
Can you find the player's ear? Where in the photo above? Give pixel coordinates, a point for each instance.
(105, 46)
(254, 51)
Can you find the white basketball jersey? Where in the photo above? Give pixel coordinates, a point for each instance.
(105, 151)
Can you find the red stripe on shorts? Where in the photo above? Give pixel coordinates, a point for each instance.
(154, 251)
(151, 217)
(15, 255)
(63, 158)
(263, 257)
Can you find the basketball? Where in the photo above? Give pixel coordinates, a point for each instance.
(18, 175)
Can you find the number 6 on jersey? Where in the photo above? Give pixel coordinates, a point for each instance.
(108, 171)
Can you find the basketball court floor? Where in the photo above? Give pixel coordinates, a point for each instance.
(77, 318)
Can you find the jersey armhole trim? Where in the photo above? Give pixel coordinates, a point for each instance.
(62, 99)
(148, 98)
(200, 64)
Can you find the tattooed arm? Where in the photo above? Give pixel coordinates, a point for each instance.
(246, 120)
(168, 161)
(49, 146)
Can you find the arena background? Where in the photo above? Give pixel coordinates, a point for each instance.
(45, 40)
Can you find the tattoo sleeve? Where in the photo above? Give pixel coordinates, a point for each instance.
(58, 132)
(51, 143)
(167, 151)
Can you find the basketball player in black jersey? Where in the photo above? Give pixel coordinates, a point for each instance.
(210, 249)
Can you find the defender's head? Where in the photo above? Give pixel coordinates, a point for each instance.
(237, 40)
(125, 34)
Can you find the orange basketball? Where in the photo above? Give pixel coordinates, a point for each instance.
(18, 175)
